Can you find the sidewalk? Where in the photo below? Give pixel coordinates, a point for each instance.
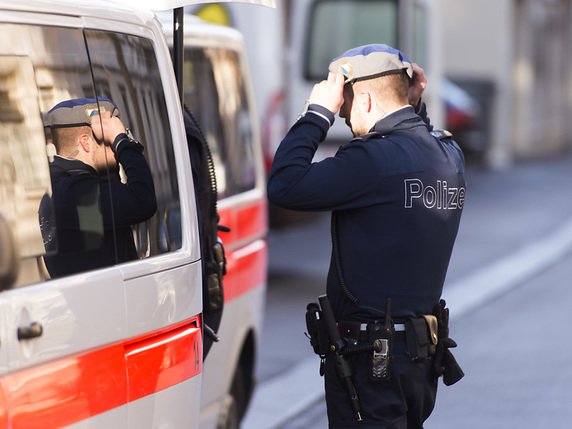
(515, 224)
(507, 210)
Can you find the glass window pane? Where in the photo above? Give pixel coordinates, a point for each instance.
(420, 36)
(24, 174)
(216, 93)
(126, 71)
(53, 68)
(237, 144)
(338, 25)
(201, 96)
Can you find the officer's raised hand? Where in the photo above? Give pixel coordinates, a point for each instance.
(106, 127)
(329, 93)
(417, 84)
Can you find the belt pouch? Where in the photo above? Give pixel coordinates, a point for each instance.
(317, 330)
(418, 340)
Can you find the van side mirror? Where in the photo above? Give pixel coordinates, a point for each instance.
(9, 260)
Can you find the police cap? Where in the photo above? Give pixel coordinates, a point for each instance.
(78, 112)
(371, 61)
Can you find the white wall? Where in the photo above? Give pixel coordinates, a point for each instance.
(541, 76)
(477, 42)
(522, 47)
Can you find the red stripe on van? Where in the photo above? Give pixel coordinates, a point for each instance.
(3, 408)
(246, 252)
(246, 223)
(163, 360)
(252, 221)
(67, 390)
(74, 388)
(247, 269)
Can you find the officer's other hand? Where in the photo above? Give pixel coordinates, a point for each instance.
(417, 84)
(329, 93)
(106, 127)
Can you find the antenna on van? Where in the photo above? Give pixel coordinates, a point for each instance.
(178, 52)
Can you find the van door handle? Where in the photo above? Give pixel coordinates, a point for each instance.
(33, 330)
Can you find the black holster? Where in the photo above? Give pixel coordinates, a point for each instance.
(444, 362)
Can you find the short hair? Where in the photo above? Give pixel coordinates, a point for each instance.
(65, 138)
(393, 87)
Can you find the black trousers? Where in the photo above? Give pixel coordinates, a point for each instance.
(404, 401)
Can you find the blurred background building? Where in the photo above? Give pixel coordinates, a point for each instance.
(513, 55)
(499, 70)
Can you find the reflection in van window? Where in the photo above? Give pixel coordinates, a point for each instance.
(335, 26)
(94, 210)
(215, 92)
(126, 71)
(39, 66)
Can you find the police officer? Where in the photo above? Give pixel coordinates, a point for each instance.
(396, 192)
(93, 209)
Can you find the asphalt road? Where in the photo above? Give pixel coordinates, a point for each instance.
(514, 240)
(516, 359)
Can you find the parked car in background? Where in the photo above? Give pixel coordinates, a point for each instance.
(464, 118)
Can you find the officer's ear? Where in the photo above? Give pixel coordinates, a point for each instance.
(364, 100)
(84, 142)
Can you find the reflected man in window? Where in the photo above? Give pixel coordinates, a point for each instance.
(94, 208)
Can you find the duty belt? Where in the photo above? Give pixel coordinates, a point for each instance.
(358, 330)
(426, 337)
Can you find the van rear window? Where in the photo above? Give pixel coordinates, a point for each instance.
(335, 26)
(215, 92)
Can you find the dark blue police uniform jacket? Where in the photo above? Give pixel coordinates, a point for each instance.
(398, 193)
(94, 212)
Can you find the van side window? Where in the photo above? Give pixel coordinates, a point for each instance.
(61, 210)
(125, 70)
(215, 91)
(41, 66)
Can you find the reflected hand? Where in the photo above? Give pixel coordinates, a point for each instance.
(106, 127)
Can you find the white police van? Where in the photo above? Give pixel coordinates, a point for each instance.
(217, 88)
(121, 346)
